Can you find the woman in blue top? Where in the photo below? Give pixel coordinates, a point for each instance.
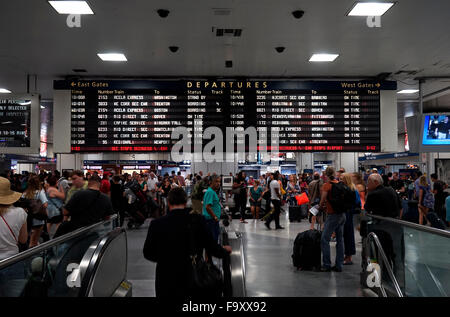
(349, 229)
(293, 189)
(255, 199)
(426, 199)
(447, 207)
(55, 197)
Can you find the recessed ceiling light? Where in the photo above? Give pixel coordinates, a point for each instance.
(71, 7)
(112, 57)
(4, 91)
(408, 91)
(323, 57)
(370, 8)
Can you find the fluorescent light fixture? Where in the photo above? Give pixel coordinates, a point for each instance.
(71, 7)
(408, 91)
(370, 8)
(323, 57)
(4, 91)
(112, 57)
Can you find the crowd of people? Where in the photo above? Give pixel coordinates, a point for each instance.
(36, 208)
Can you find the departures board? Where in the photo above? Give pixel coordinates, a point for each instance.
(308, 116)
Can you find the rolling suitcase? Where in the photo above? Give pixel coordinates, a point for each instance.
(307, 252)
(295, 213)
(435, 221)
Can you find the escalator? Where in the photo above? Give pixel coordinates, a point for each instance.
(91, 261)
(404, 259)
(233, 266)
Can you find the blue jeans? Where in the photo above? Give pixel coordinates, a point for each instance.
(214, 228)
(334, 223)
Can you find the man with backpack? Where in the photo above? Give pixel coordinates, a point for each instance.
(336, 198)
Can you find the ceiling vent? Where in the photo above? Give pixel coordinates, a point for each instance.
(227, 32)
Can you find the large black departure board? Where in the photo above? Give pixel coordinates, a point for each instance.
(15, 122)
(309, 116)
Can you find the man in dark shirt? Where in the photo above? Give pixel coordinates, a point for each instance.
(89, 206)
(381, 201)
(168, 244)
(396, 183)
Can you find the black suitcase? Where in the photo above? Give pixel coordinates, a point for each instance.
(295, 213)
(307, 253)
(435, 221)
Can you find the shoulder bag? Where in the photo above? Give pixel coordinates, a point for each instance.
(206, 277)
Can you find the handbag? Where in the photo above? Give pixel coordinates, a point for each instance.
(206, 278)
(302, 199)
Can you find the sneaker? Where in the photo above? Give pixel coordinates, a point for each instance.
(243, 221)
(280, 227)
(336, 269)
(325, 269)
(267, 225)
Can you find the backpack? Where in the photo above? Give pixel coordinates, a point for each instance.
(34, 207)
(341, 197)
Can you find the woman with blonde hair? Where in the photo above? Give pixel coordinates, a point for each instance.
(426, 199)
(349, 232)
(360, 186)
(34, 191)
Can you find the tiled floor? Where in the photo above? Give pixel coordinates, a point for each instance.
(269, 270)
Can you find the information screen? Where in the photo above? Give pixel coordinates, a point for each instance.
(15, 121)
(436, 130)
(308, 116)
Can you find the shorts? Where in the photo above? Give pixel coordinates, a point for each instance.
(255, 204)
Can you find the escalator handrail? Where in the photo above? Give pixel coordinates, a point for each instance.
(373, 237)
(100, 246)
(413, 225)
(49, 244)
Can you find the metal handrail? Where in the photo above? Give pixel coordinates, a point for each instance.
(413, 225)
(47, 245)
(373, 236)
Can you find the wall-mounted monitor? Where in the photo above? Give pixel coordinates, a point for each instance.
(19, 124)
(429, 132)
(436, 130)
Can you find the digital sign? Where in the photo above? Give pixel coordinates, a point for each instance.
(15, 121)
(307, 116)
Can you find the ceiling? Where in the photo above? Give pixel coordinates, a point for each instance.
(35, 40)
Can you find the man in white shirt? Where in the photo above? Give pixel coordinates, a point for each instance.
(275, 196)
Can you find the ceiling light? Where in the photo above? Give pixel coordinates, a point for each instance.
(408, 91)
(112, 57)
(323, 57)
(370, 8)
(71, 7)
(42, 107)
(4, 91)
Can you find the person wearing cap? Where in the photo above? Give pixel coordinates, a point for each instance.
(86, 207)
(13, 221)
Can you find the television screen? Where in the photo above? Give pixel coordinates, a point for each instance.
(436, 130)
